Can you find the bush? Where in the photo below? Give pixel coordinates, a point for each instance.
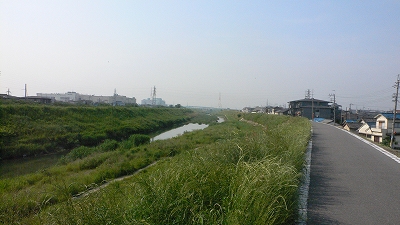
(139, 139)
(80, 152)
(108, 145)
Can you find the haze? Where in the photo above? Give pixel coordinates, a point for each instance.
(251, 53)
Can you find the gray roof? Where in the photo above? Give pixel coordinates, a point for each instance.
(310, 100)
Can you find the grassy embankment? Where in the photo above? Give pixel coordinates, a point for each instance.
(84, 166)
(31, 129)
(230, 173)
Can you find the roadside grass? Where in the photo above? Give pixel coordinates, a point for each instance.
(230, 173)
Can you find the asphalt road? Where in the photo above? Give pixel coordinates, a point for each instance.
(350, 181)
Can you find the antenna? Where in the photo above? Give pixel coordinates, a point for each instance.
(308, 94)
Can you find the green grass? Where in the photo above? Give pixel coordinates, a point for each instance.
(23, 194)
(32, 129)
(229, 173)
(236, 174)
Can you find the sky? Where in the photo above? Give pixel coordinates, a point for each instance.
(204, 53)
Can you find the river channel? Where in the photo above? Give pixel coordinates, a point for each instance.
(181, 130)
(16, 167)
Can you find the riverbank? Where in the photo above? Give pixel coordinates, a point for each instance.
(34, 129)
(208, 154)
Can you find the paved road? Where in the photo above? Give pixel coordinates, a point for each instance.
(350, 181)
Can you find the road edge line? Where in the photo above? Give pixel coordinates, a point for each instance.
(305, 185)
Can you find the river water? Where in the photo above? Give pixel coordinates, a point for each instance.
(180, 130)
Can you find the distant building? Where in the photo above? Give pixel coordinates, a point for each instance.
(149, 101)
(73, 97)
(278, 110)
(66, 97)
(313, 108)
(36, 99)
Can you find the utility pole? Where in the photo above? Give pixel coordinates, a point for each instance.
(25, 91)
(312, 105)
(154, 99)
(396, 95)
(350, 111)
(334, 107)
(310, 95)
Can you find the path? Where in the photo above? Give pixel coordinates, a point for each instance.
(351, 182)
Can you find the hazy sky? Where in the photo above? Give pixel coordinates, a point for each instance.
(250, 52)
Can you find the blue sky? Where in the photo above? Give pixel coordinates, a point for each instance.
(250, 52)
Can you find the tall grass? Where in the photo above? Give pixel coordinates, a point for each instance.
(87, 167)
(249, 175)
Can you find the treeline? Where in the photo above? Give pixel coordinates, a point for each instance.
(31, 129)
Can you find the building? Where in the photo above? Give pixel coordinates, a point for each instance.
(384, 127)
(313, 108)
(366, 127)
(66, 97)
(352, 125)
(37, 99)
(149, 101)
(74, 97)
(278, 110)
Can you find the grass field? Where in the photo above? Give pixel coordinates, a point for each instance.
(229, 173)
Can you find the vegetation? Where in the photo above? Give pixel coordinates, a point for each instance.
(31, 129)
(236, 172)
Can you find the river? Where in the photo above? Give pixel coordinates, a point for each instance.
(181, 130)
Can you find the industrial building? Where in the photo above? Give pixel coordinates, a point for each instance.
(74, 97)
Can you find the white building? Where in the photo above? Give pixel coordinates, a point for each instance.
(149, 101)
(67, 97)
(76, 97)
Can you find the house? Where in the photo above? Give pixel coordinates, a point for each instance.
(383, 128)
(256, 109)
(313, 108)
(366, 127)
(279, 111)
(247, 109)
(351, 125)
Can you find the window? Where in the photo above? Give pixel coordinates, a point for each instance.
(381, 125)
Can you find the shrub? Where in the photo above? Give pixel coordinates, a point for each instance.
(108, 145)
(139, 139)
(79, 153)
